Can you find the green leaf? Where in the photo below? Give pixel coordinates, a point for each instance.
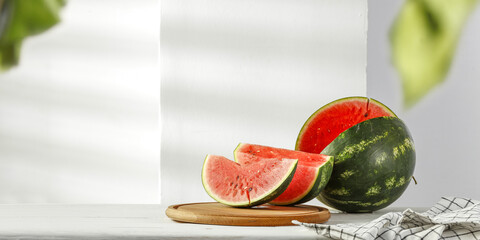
(20, 19)
(424, 37)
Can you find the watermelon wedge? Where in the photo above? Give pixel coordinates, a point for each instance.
(312, 174)
(240, 185)
(324, 125)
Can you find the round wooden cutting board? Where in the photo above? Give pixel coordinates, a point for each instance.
(263, 215)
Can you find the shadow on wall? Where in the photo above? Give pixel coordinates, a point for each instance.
(79, 114)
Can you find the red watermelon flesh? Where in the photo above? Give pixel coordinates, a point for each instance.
(242, 185)
(312, 174)
(334, 118)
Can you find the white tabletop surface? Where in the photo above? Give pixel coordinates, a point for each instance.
(137, 222)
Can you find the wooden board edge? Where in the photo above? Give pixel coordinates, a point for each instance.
(184, 216)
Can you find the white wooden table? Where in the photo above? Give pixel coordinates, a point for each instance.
(137, 222)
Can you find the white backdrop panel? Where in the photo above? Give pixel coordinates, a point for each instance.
(249, 71)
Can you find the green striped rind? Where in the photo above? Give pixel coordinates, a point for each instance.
(374, 162)
(267, 197)
(323, 175)
(338, 101)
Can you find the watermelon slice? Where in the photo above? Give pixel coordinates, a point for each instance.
(240, 185)
(312, 174)
(328, 122)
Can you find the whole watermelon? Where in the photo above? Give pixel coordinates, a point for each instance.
(373, 164)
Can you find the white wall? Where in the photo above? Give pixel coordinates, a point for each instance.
(79, 116)
(250, 71)
(445, 124)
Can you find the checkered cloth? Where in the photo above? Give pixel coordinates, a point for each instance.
(451, 218)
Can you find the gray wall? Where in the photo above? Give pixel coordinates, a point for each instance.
(445, 124)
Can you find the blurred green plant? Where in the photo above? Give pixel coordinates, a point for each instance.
(20, 19)
(424, 38)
